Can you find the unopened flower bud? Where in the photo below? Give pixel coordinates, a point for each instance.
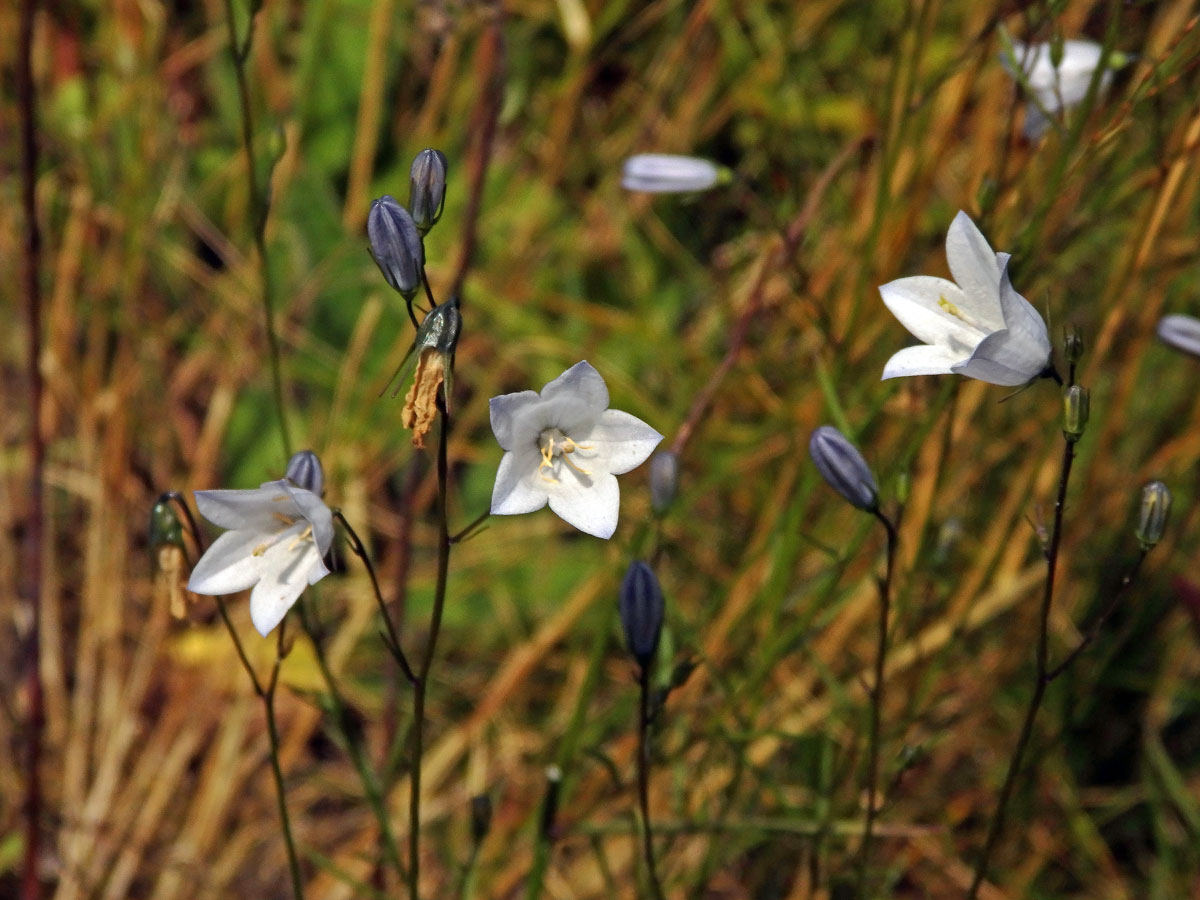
(549, 814)
(396, 245)
(642, 611)
(664, 480)
(843, 468)
(1152, 515)
(1076, 406)
(1073, 345)
(481, 816)
(1056, 48)
(304, 470)
(1180, 332)
(665, 173)
(427, 189)
(165, 527)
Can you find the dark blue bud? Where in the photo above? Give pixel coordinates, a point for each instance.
(427, 188)
(843, 468)
(396, 245)
(642, 611)
(304, 470)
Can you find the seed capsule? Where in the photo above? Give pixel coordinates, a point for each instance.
(1152, 515)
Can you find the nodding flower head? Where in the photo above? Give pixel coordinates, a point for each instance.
(976, 325)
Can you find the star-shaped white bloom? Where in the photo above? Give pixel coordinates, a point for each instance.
(564, 447)
(1056, 88)
(279, 535)
(980, 327)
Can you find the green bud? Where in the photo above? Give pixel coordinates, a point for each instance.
(1152, 515)
(1073, 344)
(1056, 48)
(1076, 405)
(165, 527)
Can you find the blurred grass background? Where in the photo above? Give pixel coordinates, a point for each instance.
(865, 125)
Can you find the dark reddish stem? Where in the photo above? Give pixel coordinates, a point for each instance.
(27, 100)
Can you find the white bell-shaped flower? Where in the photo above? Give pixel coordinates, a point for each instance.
(279, 535)
(979, 327)
(1055, 89)
(564, 447)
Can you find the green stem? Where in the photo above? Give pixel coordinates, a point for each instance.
(268, 699)
(643, 776)
(422, 680)
(885, 588)
(1041, 680)
(370, 781)
(258, 208)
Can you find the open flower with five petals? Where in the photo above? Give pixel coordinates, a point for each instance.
(279, 535)
(976, 325)
(564, 447)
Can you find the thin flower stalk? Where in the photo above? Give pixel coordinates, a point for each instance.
(239, 50)
(422, 680)
(266, 693)
(1040, 683)
(877, 685)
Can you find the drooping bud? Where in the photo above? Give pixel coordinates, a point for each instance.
(427, 189)
(304, 470)
(1152, 515)
(665, 173)
(843, 468)
(642, 609)
(481, 816)
(165, 527)
(1076, 406)
(396, 245)
(1180, 332)
(664, 480)
(170, 558)
(1073, 345)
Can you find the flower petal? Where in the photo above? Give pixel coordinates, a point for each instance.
(286, 573)
(518, 487)
(506, 417)
(590, 503)
(619, 442)
(926, 305)
(315, 512)
(1026, 328)
(975, 268)
(582, 384)
(1003, 359)
(228, 565)
(249, 509)
(920, 360)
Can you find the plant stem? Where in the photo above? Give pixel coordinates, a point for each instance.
(1041, 679)
(422, 680)
(258, 210)
(268, 699)
(885, 591)
(266, 693)
(32, 556)
(643, 776)
(392, 638)
(1094, 631)
(358, 756)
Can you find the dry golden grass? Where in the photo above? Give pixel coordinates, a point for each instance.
(862, 126)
